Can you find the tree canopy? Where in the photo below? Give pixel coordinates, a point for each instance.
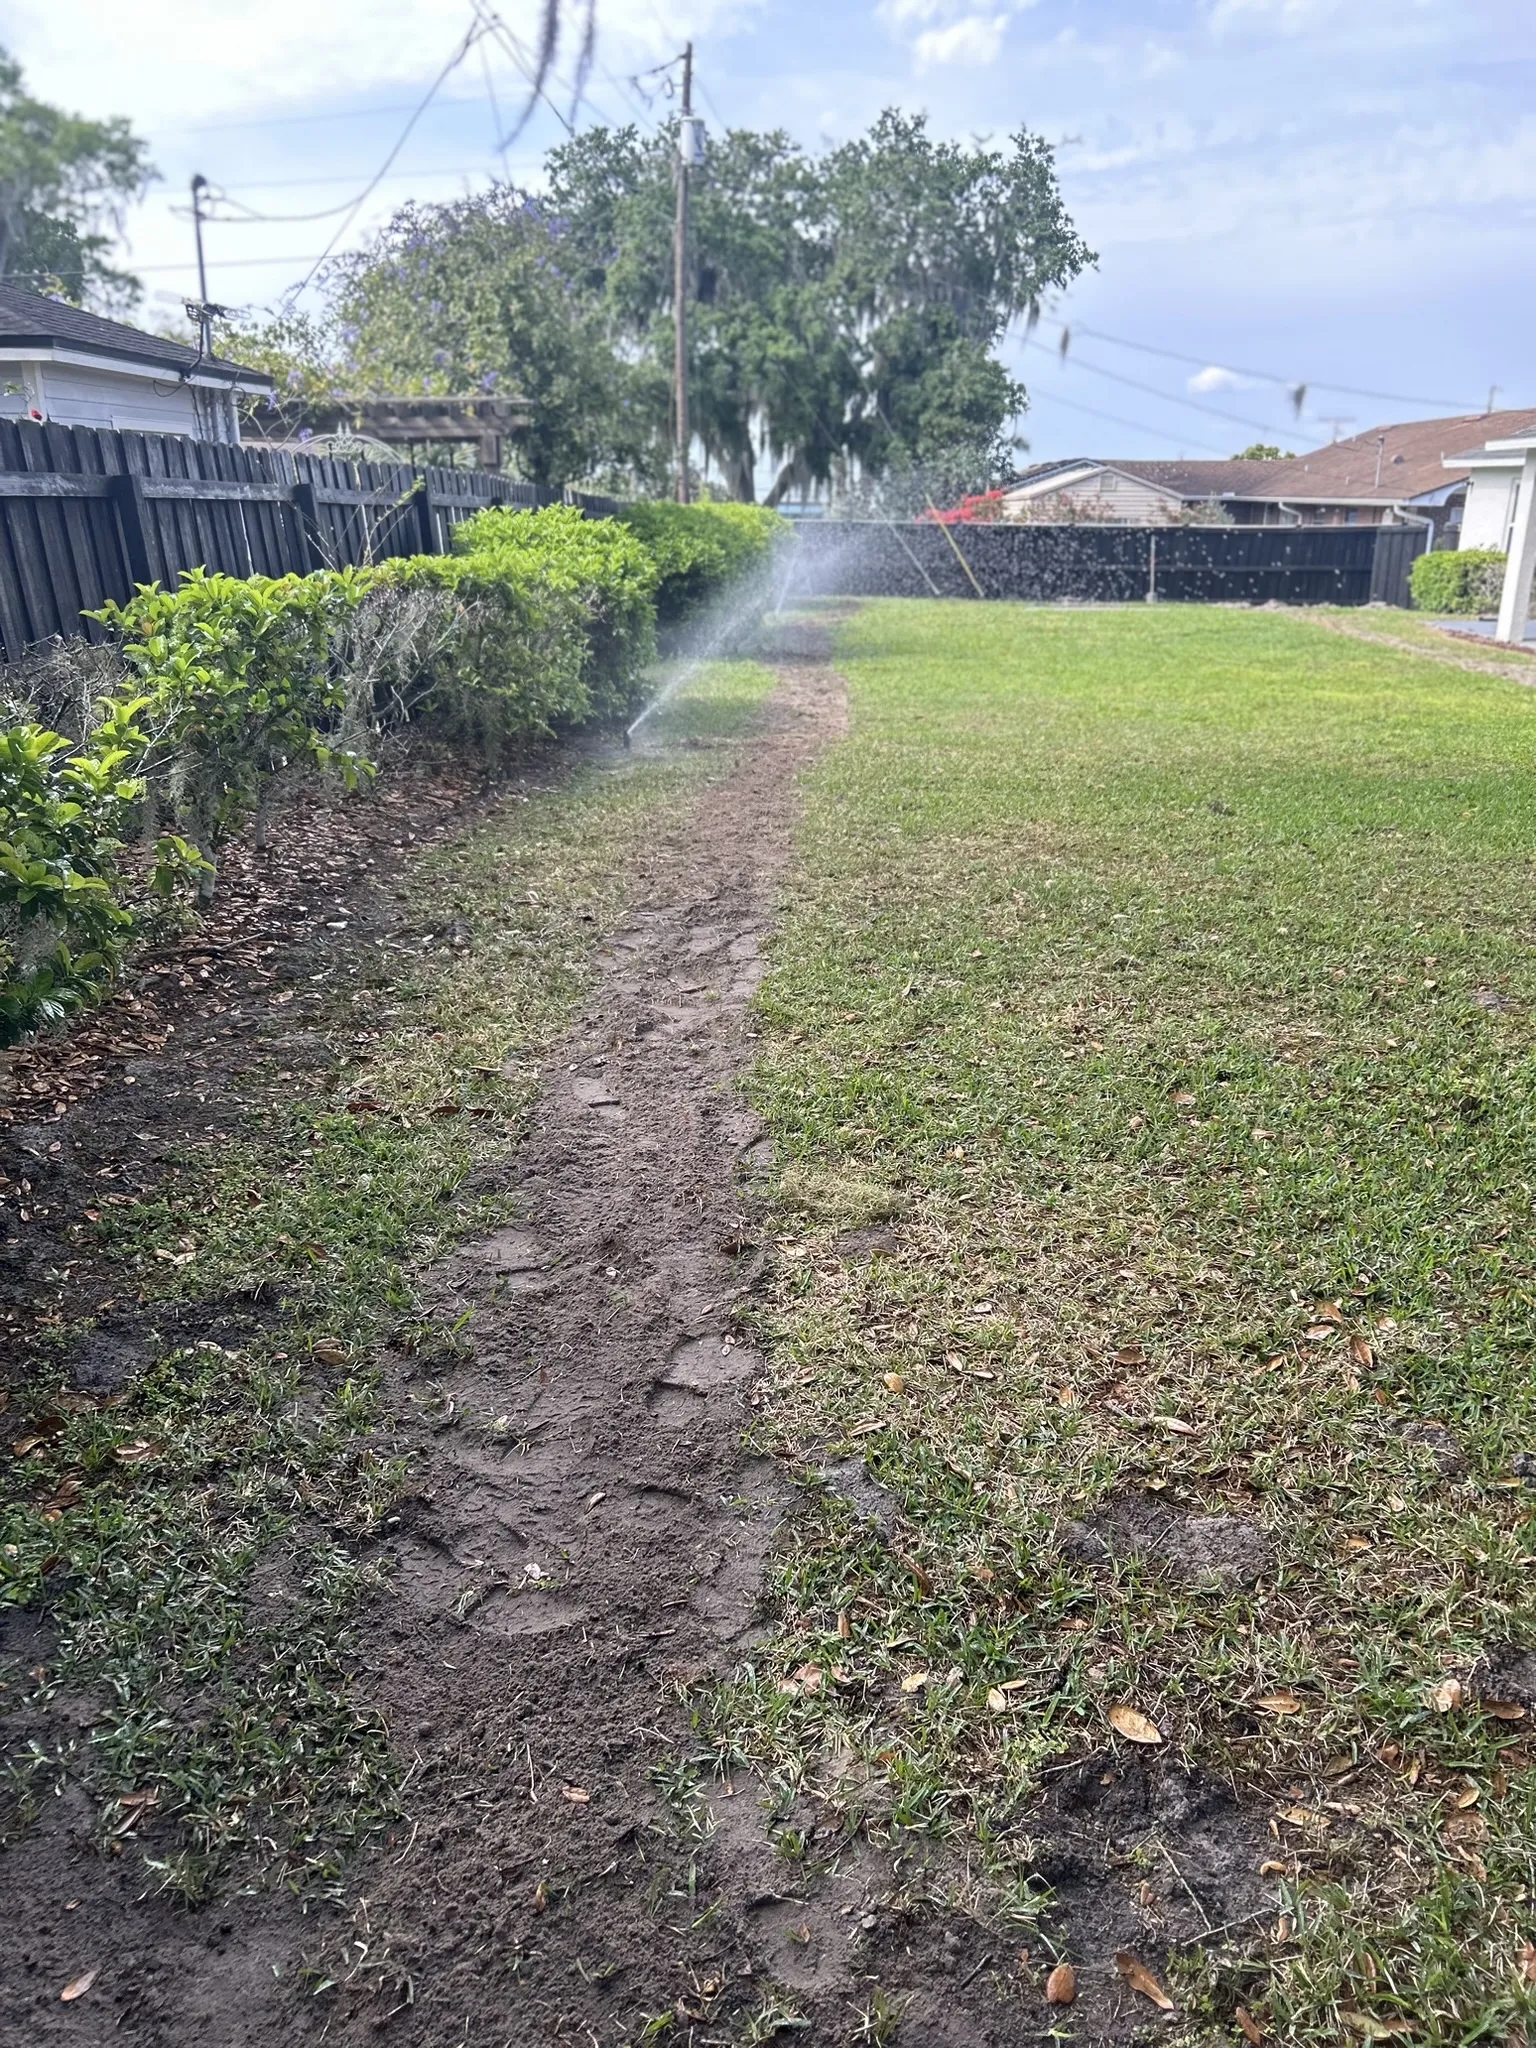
(63, 180)
(846, 307)
(844, 320)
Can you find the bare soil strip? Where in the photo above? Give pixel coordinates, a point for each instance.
(1519, 667)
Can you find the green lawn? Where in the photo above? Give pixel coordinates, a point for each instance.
(1163, 980)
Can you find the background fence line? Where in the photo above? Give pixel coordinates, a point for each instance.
(86, 513)
(1345, 565)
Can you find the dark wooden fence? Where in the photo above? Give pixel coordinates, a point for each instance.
(85, 514)
(1109, 564)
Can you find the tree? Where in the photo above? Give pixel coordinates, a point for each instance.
(63, 180)
(479, 296)
(845, 309)
(1263, 451)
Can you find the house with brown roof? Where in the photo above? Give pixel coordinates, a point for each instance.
(1387, 476)
(1127, 493)
(1414, 474)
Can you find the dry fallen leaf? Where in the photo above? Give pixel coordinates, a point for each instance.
(809, 1678)
(1328, 1312)
(1130, 1354)
(577, 1795)
(1141, 1979)
(1248, 2026)
(895, 1382)
(1133, 1724)
(1447, 1696)
(1061, 1985)
(1360, 1351)
(1316, 1333)
(1302, 1816)
(328, 1351)
(540, 1896)
(1528, 1963)
(1283, 1702)
(78, 1987)
(997, 1700)
(1503, 1710)
(915, 1681)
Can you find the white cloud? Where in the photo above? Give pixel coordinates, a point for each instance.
(1214, 378)
(974, 40)
(170, 63)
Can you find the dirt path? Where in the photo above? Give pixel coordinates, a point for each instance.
(586, 1530)
(585, 1537)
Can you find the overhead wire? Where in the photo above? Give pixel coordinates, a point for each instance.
(1213, 412)
(1114, 419)
(1268, 376)
(461, 50)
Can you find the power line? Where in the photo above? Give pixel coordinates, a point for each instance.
(1268, 376)
(1136, 426)
(461, 50)
(325, 115)
(1212, 412)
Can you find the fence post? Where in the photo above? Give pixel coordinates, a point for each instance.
(133, 518)
(1152, 568)
(426, 524)
(308, 510)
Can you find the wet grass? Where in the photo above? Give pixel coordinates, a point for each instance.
(196, 1547)
(1155, 1005)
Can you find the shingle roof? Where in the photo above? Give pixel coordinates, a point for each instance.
(1235, 478)
(1184, 479)
(27, 319)
(1410, 460)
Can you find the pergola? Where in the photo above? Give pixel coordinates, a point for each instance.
(1520, 566)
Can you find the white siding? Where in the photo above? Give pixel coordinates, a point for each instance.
(1490, 508)
(78, 397)
(1102, 492)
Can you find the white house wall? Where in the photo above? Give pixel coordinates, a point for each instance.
(72, 395)
(1112, 497)
(1490, 508)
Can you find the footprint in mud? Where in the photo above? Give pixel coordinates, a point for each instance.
(700, 1367)
(598, 1097)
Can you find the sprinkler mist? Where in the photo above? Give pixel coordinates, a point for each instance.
(729, 629)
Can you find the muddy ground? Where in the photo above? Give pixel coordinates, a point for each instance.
(560, 1580)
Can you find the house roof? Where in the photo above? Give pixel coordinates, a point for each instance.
(28, 320)
(1412, 460)
(1184, 480)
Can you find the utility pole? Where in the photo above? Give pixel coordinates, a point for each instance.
(204, 311)
(689, 151)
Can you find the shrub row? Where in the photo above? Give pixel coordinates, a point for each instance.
(226, 687)
(1464, 580)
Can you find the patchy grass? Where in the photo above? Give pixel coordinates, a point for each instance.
(1149, 1061)
(195, 1546)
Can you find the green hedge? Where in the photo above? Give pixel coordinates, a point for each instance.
(1461, 580)
(599, 564)
(537, 621)
(701, 550)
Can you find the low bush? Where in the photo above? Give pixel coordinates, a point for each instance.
(600, 563)
(700, 551)
(235, 683)
(221, 688)
(1460, 580)
(61, 926)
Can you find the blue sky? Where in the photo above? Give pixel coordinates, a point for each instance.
(1340, 193)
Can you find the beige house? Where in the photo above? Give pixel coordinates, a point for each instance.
(1409, 474)
(60, 364)
(1129, 493)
